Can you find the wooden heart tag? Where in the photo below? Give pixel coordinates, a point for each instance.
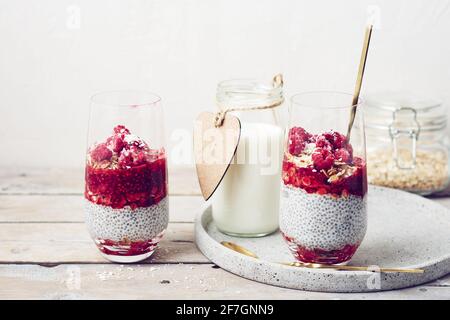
(214, 149)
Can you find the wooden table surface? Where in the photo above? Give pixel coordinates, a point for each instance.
(46, 252)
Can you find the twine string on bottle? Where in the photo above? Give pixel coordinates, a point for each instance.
(220, 115)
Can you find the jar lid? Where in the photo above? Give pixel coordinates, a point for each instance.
(406, 109)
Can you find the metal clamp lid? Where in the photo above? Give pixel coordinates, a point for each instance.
(401, 135)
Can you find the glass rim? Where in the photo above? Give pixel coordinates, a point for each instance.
(267, 86)
(152, 98)
(242, 80)
(319, 92)
(247, 92)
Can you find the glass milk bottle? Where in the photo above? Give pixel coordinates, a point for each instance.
(246, 202)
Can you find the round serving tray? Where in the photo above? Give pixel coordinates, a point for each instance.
(404, 231)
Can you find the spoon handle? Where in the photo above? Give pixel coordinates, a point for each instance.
(359, 79)
(351, 268)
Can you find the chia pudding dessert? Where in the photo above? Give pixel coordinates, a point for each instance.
(323, 210)
(126, 203)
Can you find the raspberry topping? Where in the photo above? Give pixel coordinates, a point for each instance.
(322, 159)
(343, 155)
(326, 166)
(124, 171)
(117, 143)
(337, 139)
(121, 129)
(132, 157)
(101, 153)
(298, 138)
(323, 142)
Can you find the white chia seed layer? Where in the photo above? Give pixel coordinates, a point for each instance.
(322, 221)
(135, 225)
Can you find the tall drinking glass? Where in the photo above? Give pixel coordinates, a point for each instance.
(323, 210)
(126, 204)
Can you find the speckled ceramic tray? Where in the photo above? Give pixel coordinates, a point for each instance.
(404, 230)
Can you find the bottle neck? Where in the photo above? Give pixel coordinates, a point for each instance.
(247, 93)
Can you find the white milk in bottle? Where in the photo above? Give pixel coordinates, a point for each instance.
(246, 202)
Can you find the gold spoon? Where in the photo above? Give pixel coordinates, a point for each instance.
(350, 268)
(359, 79)
(244, 251)
(238, 248)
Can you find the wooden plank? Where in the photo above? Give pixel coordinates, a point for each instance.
(69, 208)
(182, 181)
(180, 281)
(41, 180)
(54, 243)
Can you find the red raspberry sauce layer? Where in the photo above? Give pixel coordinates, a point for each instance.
(124, 171)
(323, 164)
(120, 248)
(320, 256)
(140, 186)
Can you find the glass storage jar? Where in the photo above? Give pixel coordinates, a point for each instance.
(246, 202)
(407, 142)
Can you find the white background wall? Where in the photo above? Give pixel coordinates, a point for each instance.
(55, 54)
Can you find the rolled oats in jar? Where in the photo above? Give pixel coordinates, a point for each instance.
(407, 143)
